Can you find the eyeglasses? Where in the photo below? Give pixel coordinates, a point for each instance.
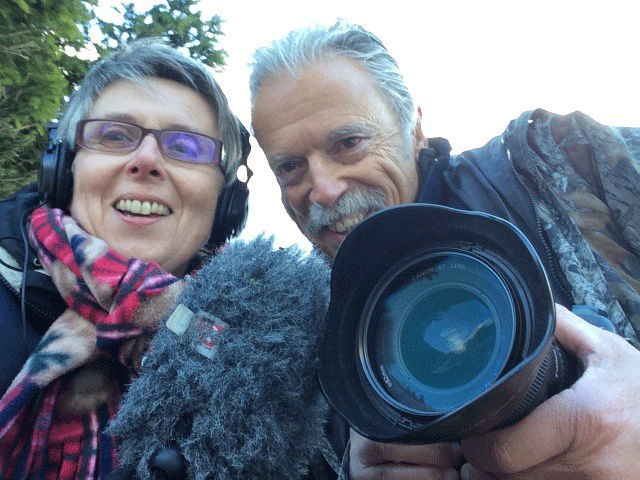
(121, 137)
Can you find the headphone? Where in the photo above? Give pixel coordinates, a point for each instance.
(55, 186)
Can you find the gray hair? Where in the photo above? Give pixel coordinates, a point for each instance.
(146, 58)
(301, 48)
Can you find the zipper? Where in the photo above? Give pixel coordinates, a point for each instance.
(47, 314)
(551, 266)
(427, 166)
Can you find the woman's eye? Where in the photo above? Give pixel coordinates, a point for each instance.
(115, 135)
(184, 148)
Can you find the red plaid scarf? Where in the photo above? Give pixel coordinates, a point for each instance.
(53, 415)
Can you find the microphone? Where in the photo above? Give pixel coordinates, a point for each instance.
(228, 388)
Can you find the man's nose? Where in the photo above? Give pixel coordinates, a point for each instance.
(327, 181)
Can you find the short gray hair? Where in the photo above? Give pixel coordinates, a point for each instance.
(152, 58)
(301, 48)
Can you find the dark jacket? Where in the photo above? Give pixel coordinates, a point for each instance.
(42, 303)
(552, 163)
(572, 186)
(484, 180)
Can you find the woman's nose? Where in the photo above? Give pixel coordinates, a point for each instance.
(147, 158)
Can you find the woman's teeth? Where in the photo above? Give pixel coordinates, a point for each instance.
(142, 208)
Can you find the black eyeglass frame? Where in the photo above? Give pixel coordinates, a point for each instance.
(144, 132)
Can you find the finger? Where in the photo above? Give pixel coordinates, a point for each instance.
(368, 452)
(575, 334)
(406, 472)
(594, 346)
(549, 430)
(551, 470)
(468, 472)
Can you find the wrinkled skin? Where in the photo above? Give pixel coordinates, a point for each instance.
(371, 460)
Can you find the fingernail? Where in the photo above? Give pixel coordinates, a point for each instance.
(464, 472)
(456, 450)
(451, 475)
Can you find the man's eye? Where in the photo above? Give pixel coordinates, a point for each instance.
(287, 172)
(287, 167)
(350, 142)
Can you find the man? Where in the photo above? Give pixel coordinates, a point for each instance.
(342, 135)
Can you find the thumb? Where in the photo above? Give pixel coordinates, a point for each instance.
(575, 334)
(549, 430)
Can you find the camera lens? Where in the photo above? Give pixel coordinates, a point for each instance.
(436, 332)
(440, 326)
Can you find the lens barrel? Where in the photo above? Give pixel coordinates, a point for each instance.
(440, 326)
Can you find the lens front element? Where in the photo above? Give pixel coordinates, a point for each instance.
(437, 332)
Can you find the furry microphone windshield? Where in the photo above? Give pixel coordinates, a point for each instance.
(229, 381)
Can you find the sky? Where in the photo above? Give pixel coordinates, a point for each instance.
(472, 66)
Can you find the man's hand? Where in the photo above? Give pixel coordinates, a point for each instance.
(371, 460)
(589, 431)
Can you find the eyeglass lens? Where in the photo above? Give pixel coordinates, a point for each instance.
(119, 137)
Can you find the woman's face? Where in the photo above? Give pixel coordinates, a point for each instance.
(177, 199)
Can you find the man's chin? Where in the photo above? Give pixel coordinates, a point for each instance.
(329, 241)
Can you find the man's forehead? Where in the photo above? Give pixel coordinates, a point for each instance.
(333, 67)
(319, 81)
(327, 98)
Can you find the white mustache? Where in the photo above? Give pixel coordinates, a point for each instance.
(350, 203)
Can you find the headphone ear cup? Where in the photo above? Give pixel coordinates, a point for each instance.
(232, 209)
(55, 180)
(231, 213)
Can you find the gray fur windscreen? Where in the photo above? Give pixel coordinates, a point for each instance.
(246, 403)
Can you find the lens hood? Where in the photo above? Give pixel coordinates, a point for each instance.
(383, 243)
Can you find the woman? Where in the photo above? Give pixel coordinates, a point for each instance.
(155, 145)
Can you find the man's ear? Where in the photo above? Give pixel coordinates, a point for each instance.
(420, 140)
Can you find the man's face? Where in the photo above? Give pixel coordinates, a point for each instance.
(335, 148)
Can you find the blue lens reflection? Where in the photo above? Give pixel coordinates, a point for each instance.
(440, 332)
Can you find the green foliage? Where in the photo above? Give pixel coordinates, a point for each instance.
(39, 64)
(33, 37)
(177, 21)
